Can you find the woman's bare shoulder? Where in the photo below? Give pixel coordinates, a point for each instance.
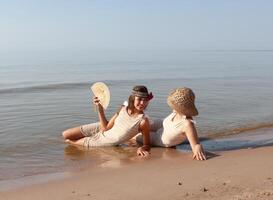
(188, 123)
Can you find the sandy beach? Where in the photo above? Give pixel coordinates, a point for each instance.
(52, 53)
(165, 174)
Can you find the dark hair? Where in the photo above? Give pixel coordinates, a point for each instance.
(138, 89)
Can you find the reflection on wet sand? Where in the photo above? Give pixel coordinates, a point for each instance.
(114, 157)
(102, 156)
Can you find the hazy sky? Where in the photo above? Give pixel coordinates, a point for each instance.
(66, 25)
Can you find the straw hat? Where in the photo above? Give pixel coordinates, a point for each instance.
(101, 91)
(182, 100)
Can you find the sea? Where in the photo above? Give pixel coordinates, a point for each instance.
(39, 99)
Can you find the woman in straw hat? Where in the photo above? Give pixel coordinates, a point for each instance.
(124, 125)
(179, 125)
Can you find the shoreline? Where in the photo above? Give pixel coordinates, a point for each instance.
(123, 157)
(236, 174)
(248, 139)
(240, 130)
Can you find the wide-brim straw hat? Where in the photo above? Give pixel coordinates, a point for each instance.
(182, 100)
(101, 91)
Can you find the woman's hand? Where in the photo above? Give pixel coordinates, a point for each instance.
(142, 151)
(198, 152)
(96, 101)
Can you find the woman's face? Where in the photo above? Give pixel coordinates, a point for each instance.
(141, 103)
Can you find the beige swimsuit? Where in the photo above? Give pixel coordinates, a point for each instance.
(171, 134)
(124, 128)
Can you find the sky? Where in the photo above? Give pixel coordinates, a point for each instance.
(135, 25)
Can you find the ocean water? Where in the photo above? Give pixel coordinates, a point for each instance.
(38, 100)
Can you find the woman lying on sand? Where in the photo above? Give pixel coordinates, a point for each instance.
(179, 125)
(124, 125)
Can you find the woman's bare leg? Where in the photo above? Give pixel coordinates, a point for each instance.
(73, 134)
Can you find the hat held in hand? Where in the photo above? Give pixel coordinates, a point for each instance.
(101, 91)
(182, 100)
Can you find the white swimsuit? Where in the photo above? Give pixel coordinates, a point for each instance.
(171, 134)
(124, 128)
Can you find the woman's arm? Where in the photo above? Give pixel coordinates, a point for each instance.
(197, 149)
(145, 130)
(104, 124)
(110, 124)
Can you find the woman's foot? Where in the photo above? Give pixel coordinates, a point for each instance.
(68, 141)
(79, 142)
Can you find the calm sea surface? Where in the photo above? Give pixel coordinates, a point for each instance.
(234, 92)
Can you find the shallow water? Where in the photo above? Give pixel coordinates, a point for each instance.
(39, 100)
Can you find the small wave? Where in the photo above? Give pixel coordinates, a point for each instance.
(237, 131)
(61, 86)
(48, 87)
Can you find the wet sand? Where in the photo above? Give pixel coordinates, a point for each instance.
(165, 174)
